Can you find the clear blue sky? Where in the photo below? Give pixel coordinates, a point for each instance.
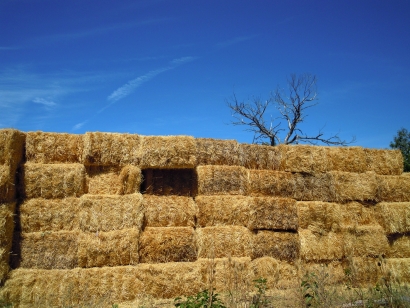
(166, 67)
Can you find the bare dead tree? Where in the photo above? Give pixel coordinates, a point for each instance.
(291, 107)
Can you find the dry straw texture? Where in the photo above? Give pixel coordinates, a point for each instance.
(399, 247)
(4, 264)
(110, 149)
(279, 274)
(313, 187)
(170, 152)
(169, 211)
(330, 272)
(364, 271)
(279, 245)
(304, 158)
(385, 162)
(221, 242)
(365, 241)
(347, 159)
(49, 214)
(354, 186)
(272, 183)
(47, 148)
(316, 247)
(261, 156)
(273, 213)
(319, 217)
(109, 213)
(111, 248)
(111, 180)
(11, 147)
(394, 188)
(222, 180)
(53, 180)
(6, 224)
(7, 184)
(394, 217)
(218, 152)
(165, 182)
(49, 250)
(354, 214)
(220, 210)
(399, 269)
(161, 245)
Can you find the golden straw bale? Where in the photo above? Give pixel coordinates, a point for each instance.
(111, 212)
(257, 156)
(7, 184)
(394, 217)
(394, 188)
(220, 210)
(161, 245)
(280, 245)
(313, 187)
(166, 182)
(4, 264)
(329, 273)
(273, 213)
(11, 147)
(47, 148)
(304, 158)
(111, 149)
(316, 247)
(169, 211)
(365, 240)
(347, 159)
(168, 152)
(222, 180)
(272, 183)
(384, 162)
(354, 214)
(399, 268)
(218, 152)
(6, 224)
(53, 180)
(363, 271)
(110, 180)
(320, 217)
(399, 246)
(111, 248)
(354, 186)
(224, 241)
(49, 214)
(279, 274)
(49, 250)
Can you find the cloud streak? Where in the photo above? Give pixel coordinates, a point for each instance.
(234, 41)
(43, 101)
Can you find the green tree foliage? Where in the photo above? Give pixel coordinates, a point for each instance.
(402, 142)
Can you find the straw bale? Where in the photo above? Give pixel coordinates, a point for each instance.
(384, 162)
(165, 182)
(111, 149)
(220, 210)
(366, 240)
(6, 224)
(316, 247)
(304, 158)
(224, 241)
(218, 152)
(49, 250)
(169, 211)
(4, 264)
(355, 213)
(273, 213)
(40, 214)
(280, 245)
(7, 184)
(399, 268)
(222, 180)
(263, 157)
(161, 245)
(272, 183)
(394, 217)
(168, 152)
(354, 186)
(399, 246)
(11, 147)
(319, 217)
(47, 148)
(279, 274)
(111, 248)
(328, 273)
(110, 180)
(393, 188)
(313, 187)
(364, 271)
(111, 212)
(53, 180)
(347, 159)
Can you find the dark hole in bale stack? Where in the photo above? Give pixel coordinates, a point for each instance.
(165, 182)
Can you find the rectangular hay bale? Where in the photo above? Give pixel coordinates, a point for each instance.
(362, 271)
(365, 241)
(394, 217)
(304, 158)
(356, 214)
(11, 147)
(319, 216)
(279, 245)
(7, 184)
(317, 247)
(218, 152)
(111, 149)
(169, 211)
(53, 180)
(166, 182)
(261, 157)
(168, 152)
(393, 188)
(113, 248)
(6, 225)
(350, 186)
(384, 162)
(220, 210)
(399, 268)
(399, 246)
(162, 245)
(279, 274)
(111, 212)
(48, 148)
(329, 273)
(272, 183)
(222, 180)
(347, 159)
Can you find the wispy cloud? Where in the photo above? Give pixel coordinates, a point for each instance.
(43, 101)
(234, 41)
(79, 125)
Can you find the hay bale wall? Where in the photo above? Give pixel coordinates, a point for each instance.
(114, 217)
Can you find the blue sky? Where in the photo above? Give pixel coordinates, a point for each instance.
(167, 67)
